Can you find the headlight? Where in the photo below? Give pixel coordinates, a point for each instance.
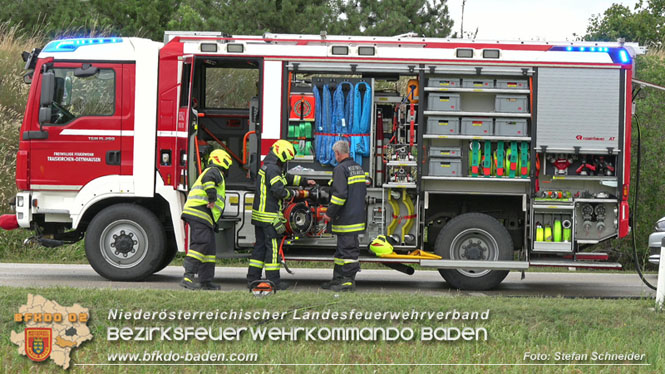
(19, 201)
(660, 225)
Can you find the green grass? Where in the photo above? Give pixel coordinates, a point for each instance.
(515, 326)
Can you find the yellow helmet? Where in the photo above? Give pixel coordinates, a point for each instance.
(284, 150)
(220, 158)
(381, 246)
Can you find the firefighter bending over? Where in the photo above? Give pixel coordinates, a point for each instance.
(267, 216)
(204, 206)
(347, 212)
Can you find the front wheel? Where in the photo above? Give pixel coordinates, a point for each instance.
(125, 242)
(474, 236)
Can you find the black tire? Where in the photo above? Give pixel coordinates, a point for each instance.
(171, 251)
(125, 242)
(474, 236)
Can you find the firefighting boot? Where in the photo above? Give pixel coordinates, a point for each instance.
(209, 286)
(253, 274)
(188, 282)
(337, 278)
(345, 285)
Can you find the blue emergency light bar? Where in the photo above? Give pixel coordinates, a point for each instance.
(618, 55)
(70, 45)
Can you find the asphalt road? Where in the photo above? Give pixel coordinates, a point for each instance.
(567, 284)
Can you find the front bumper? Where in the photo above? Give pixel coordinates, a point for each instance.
(23, 211)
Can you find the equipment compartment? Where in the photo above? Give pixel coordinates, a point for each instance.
(444, 82)
(478, 83)
(445, 152)
(510, 127)
(443, 125)
(443, 101)
(477, 126)
(445, 167)
(511, 104)
(518, 84)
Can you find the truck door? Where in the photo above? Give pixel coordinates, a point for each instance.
(84, 131)
(226, 91)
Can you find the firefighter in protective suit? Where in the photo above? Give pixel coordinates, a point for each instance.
(204, 206)
(267, 214)
(347, 212)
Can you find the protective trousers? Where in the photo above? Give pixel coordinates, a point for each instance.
(265, 255)
(346, 256)
(201, 254)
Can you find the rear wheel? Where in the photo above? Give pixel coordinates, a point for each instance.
(125, 242)
(474, 237)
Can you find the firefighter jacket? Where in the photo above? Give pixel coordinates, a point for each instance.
(209, 187)
(271, 191)
(347, 198)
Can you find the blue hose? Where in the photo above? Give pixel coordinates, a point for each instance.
(319, 123)
(362, 110)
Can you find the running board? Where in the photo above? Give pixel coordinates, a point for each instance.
(360, 259)
(475, 265)
(577, 264)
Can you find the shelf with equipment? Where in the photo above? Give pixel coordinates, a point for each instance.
(402, 163)
(475, 114)
(553, 226)
(330, 99)
(478, 179)
(485, 90)
(300, 125)
(399, 185)
(477, 129)
(476, 137)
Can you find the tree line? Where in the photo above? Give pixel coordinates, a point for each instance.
(150, 18)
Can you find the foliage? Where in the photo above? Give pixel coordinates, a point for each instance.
(150, 18)
(74, 18)
(644, 25)
(392, 17)
(13, 96)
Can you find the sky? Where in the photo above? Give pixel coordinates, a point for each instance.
(550, 20)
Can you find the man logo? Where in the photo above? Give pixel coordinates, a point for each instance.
(38, 343)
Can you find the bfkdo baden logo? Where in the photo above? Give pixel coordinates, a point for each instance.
(51, 330)
(38, 343)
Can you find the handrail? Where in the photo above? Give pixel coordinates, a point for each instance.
(244, 146)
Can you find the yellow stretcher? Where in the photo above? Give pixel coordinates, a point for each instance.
(417, 254)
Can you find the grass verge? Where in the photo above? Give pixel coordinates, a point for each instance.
(515, 326)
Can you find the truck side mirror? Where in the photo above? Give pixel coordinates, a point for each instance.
(46, 99)
(44, 115)
(48, 89)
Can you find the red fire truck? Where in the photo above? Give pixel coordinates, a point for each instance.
(494, 155)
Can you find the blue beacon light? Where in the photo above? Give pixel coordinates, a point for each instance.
(71, 45)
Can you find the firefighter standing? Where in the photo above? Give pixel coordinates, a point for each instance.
(204, 206)
(267, 209)
(347, 212)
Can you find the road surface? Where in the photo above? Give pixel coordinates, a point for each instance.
(567, 284)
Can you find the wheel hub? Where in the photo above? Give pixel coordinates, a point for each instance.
(473, 251)
(124, 243)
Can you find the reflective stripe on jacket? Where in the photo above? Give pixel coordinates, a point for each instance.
(209, 187)
(347, 198)
(271, 190)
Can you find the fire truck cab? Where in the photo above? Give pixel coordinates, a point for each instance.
(496, 156)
